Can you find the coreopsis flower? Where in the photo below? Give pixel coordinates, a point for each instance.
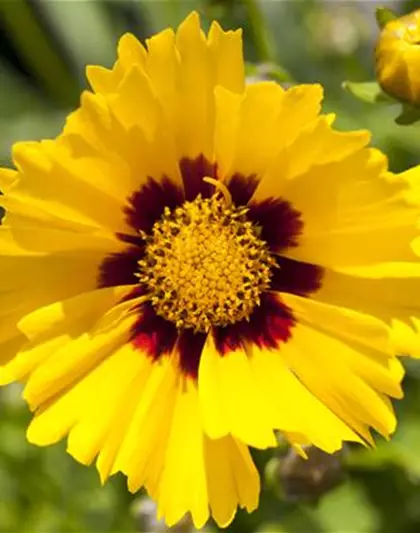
(194, 264)
(398, 58)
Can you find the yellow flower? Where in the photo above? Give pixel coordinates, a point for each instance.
(193, 264)
(398, 58)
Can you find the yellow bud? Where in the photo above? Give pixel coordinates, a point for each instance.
(398, 58)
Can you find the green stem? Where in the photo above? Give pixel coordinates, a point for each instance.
(261, 36)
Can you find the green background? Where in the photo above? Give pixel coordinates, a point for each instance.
(44, 47)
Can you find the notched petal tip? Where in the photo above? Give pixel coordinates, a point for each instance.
(192, 18)
(310, 92)
(130, 50)
(189, 31)
(29, 154)
(216, 31)
(100, 79)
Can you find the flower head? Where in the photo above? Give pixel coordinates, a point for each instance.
(194, 264)
(398, 58)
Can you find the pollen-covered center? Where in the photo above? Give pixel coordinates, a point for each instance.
(205, 265)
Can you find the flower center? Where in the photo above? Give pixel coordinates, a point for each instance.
(204, 264)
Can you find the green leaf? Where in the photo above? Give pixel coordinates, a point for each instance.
(384, 15)
(347, 510)
(409, 115)
(368, 91)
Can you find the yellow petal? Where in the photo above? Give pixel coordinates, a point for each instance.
(57, 417)
(195, 118)
(82, 352)
(141, 454)
(405, 336)
(300, 107)
(23, 270)
(357, 223)
(28, 356)
(315, 144)
(30, 281)
(233, 479)
(8, 349)
(228, 106)
(52, 188)
(371, 357)
(69, 315)
(131, 51)
(123, 414)
(180, 467)
(105, 410)
(349, 395)
(231, 400)
(354, 326)
(136, 103)
(184, 465)
(250, 127)
(391, 299)
(297, 409)
(226, 54)
(34, 236)
(257, 140)
(72, 362)
(102, 80)
(163, 69)
(7, 177)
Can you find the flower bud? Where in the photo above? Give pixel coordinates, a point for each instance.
(296, 479)
(309, 479)
(398, 58)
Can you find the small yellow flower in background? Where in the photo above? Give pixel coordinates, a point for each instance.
(193, 264)
(398, 58)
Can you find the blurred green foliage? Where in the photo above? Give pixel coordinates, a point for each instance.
(44, 47)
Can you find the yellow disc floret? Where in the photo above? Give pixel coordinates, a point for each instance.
(205, 264)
